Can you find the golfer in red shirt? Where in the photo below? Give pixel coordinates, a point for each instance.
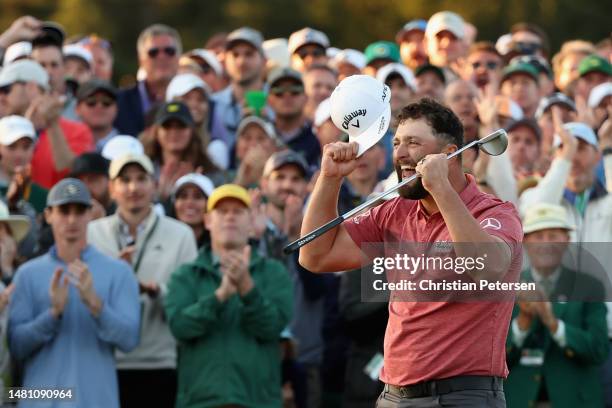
(436, 354)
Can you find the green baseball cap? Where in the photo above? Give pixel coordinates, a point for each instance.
(594, 63)
(520, 68)
(382, 50)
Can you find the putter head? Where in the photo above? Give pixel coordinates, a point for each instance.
(495, 143)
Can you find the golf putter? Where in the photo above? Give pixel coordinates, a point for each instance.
(493, 144)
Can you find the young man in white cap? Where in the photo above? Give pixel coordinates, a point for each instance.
(17, 140)
(72, 307)
(559, 336)
(24, 91)
(155, 246)
(244, 63)
(78, 63)
(307, 47)
(431, 358)
(227, 310)
(444, 39)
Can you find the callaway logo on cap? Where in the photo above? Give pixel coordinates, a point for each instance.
(360, 107)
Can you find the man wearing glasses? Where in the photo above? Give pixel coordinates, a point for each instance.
(287, 99)
(97, 108)
(159, 47)
(307, 47)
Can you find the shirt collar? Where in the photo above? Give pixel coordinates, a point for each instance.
(553, 277)
(124, 230)
(83, 256)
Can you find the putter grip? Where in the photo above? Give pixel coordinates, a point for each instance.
(298, 243)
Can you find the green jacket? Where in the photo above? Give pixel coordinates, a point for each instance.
(228, 353)
(570, 374)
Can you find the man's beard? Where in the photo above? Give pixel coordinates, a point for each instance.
(413, 190)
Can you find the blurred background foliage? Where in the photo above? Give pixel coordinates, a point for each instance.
(349, 23)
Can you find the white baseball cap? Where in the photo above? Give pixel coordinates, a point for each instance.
(360, 107)
(181, 84)
(26, 71)
(198, 180)
(209, 57)
(121, 145)
(277, 51)
(305, 36)
(323, 112)
(13, 128)
(581, 131)
(118, 163)
(349, 56)
(401, 70)
(445, 21)
(16, 51)
(78, 51)
(598, 93)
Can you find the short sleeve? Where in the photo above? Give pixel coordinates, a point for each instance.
(502, 221)
(370, 225)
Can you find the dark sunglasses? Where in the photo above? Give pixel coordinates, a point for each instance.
(294, 90)
(106, 102)
(313, 52)
(490, 65)
(154, 52)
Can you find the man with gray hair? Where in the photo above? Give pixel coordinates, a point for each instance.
(159, 47)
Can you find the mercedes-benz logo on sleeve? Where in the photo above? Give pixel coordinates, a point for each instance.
(492, 223)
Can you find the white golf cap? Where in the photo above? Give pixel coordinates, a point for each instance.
(323, 112)
(504, 44)
(598, 94)
(331, 52)
(277, 51)
(305, 36)
(78, 51)
(445, 21)
(182, 84)
(120, 162)
(16, 51)
(349, 56)
(208, 57)
(121, 145)
(25, 71)
(360, 107)
(13, 128)
(198, 180)
(581, 131)
(399, 69)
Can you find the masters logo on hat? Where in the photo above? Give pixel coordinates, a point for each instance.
(360, 107)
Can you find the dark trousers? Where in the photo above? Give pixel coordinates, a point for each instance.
(147, 388)
(455, 399)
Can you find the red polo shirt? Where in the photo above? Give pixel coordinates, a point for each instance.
(80, 140)
(435, 340)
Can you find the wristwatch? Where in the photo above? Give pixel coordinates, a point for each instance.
(606, 151)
